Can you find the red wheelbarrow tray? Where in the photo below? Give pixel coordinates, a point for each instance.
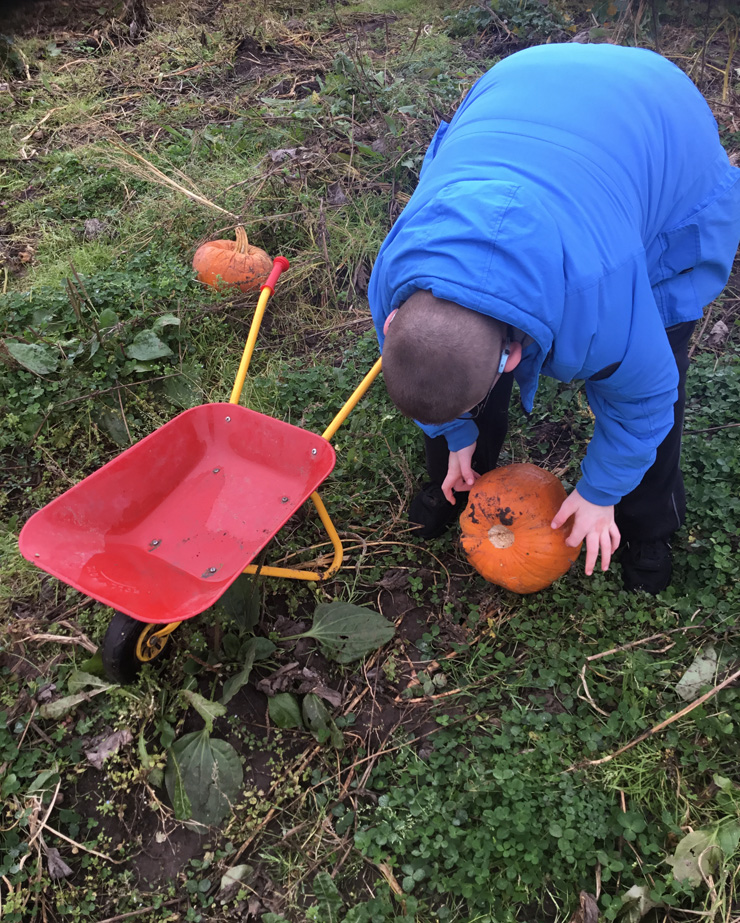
(162, 530)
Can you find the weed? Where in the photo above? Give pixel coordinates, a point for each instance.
(528, 20)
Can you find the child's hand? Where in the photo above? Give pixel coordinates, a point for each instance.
(593, 523)
(460, 476)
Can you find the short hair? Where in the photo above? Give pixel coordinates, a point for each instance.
(439, 358)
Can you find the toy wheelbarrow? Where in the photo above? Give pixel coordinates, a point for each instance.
(161, 531)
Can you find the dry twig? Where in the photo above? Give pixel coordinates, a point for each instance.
(656, 729)
(146, 170)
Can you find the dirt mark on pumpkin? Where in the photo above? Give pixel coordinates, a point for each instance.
(473, 517)
(505, 516)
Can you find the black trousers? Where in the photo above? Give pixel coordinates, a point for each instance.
(655, 509)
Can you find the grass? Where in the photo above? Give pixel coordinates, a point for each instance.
(483, 775)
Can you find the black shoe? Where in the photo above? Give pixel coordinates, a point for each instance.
(432, 513)
(646, 565)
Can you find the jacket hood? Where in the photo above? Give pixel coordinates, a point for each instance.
(487, 245)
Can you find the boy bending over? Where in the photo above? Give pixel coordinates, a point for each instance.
(572, 220)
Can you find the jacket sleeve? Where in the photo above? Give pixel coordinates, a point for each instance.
(633, 411)
(458, 433)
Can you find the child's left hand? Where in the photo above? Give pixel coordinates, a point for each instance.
(460, 475)
(593, 523)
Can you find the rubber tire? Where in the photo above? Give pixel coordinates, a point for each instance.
(119, 649)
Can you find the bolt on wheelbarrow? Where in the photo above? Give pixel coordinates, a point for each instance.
(160, 532)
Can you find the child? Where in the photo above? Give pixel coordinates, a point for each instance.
(573, 219)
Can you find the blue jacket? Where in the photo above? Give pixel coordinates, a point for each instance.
(581, 195)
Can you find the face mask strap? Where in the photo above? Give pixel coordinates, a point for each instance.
(505, 352)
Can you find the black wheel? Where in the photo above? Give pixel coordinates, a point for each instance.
(128, 643)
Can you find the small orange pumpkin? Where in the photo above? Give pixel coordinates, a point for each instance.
(506, 531)
(227, 264)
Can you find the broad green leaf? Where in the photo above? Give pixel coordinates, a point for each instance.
(144, 758)
(63, 706)
(728, 836)
(319, 721)
(37, 358)
(251, 615)
(701, 673)
(147, 345)
(230, 646)
(113, 424)
(78, 680)
(207, 709)
(181, 392)
(166, 733)
(368, 151)
(211, 774)
(9, 785)
(723, 783)
(94, 664)
(315, 713)
(696, 852)
(328, 897)
(108, 318)
(263, 648)
(347, 632)
(179, 797)
(165, 320)
(284, 711)
(234, 683)
(44, 781)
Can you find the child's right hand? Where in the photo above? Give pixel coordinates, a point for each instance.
(460, 476)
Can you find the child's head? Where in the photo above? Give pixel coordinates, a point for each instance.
(440, 359)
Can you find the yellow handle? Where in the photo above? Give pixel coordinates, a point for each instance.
(354, 399)
(241, 375)
(293, 573)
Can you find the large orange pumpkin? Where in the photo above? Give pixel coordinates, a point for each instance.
(232, 264)
(506, 531)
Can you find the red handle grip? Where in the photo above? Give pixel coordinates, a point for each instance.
(278, 265)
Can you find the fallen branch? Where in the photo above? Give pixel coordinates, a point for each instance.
(140, 911)
(710, 429)
(63, 639)
(39, 124)
(92, 852)
(626, 647)
(659, 727)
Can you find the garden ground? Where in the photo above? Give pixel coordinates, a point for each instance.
(495, 760)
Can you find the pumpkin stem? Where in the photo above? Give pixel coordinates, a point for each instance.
(500, 536)
(241, 240)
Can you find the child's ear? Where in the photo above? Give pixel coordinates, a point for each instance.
(388, 321)
(515, 356)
